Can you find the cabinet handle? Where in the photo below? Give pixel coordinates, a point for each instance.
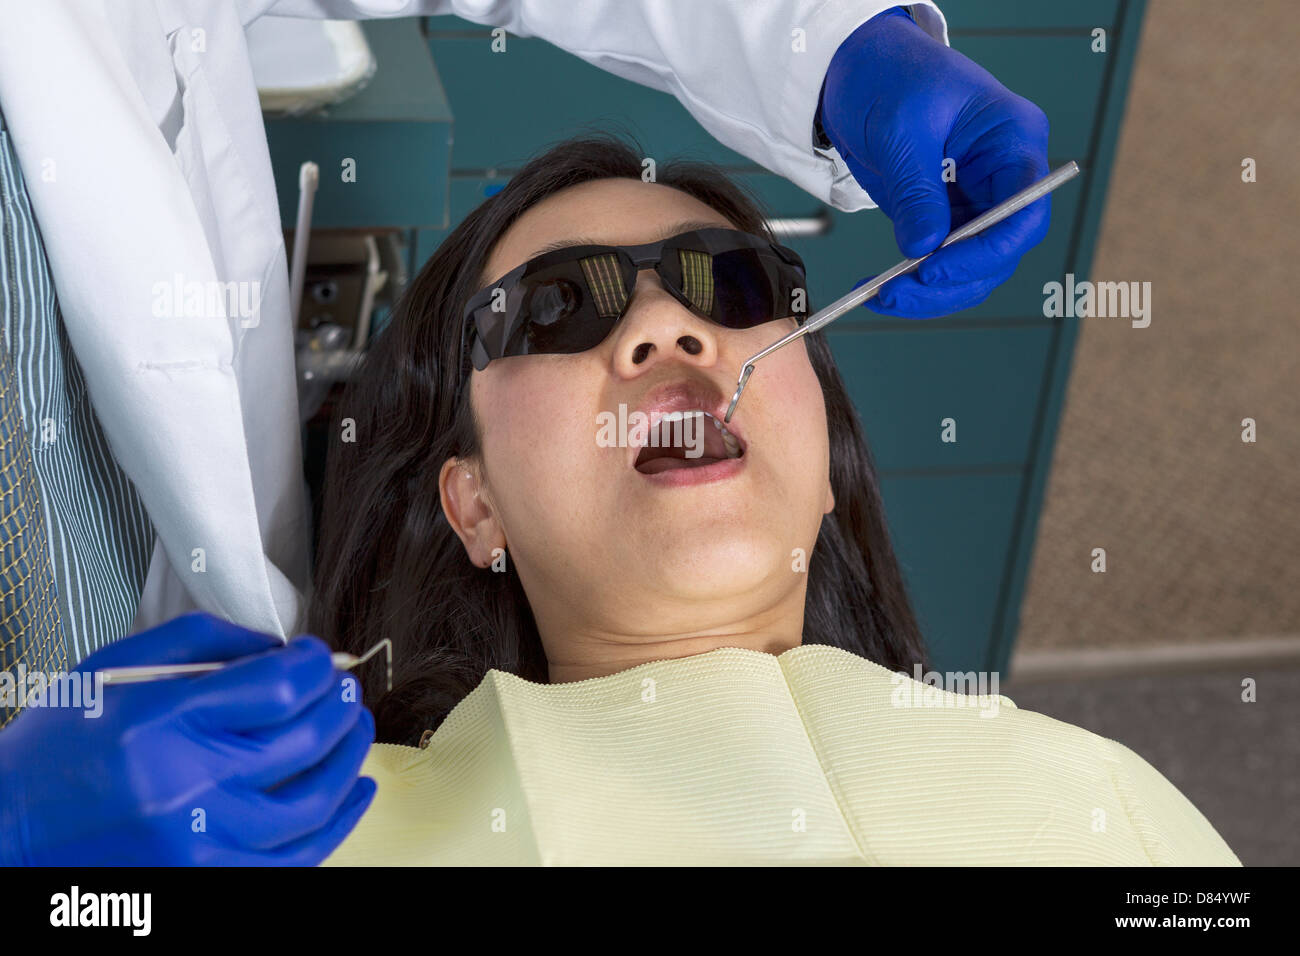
(802, 226)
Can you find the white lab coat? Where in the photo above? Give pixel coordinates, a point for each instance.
(146, 160)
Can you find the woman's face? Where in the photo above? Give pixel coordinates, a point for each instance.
(616, 557)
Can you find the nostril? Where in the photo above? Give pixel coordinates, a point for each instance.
(691, 344)
(642, 352)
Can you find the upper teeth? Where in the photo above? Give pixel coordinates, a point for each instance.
(728, 440)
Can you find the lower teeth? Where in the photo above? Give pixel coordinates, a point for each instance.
(733, 446)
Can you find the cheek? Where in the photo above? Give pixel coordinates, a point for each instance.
(537, 441)
(797, 406)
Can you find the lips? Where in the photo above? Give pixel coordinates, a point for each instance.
(686, 432)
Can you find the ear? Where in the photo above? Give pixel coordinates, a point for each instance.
(830, 498)
(468, 510)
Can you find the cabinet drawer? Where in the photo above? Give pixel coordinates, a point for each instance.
(905, 383)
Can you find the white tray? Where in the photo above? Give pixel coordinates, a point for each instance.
(301, 65)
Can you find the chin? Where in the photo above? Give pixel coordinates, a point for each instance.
(708, 563)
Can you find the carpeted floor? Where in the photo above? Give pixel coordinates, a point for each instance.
(1235, 761)
(1201, 531)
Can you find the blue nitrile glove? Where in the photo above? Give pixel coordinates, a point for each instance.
(895, 104)
(252, 764)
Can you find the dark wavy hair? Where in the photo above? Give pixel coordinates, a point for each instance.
(389, 564)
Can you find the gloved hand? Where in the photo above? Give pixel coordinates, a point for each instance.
(252, 764)
(895, 104)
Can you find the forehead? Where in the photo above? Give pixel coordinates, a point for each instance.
(616, 212)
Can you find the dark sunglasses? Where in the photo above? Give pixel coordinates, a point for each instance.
(569, 300)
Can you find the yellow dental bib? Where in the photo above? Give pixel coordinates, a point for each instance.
(815, 756)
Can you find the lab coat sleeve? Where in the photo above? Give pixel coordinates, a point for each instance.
(750, 72)
(1172, 830)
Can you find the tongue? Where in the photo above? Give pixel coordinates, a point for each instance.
(692, 444)
(670, 463)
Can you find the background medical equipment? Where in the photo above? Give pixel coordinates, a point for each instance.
(865, 291)
(308, 181)
(339, 274)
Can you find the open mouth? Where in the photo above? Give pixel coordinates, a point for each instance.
(687, 439)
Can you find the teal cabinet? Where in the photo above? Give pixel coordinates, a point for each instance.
(954, 535)
(509, 105)
(1011, 16)
(465, 192)
(915, 388)
(1059, 72)
(962, 514)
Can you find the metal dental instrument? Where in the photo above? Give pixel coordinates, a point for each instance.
(865, 291)
(149, 672)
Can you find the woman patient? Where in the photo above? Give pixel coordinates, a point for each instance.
(674, 641)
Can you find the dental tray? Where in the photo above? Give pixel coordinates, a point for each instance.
(302, 65)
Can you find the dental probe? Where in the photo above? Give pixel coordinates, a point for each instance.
(150, 672)
(868, 289)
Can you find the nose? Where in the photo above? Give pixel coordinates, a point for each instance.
(657, 327)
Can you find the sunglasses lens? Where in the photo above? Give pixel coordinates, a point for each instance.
(736, 288)
(572, 306)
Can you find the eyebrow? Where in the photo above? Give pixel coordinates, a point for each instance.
(673, 230)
